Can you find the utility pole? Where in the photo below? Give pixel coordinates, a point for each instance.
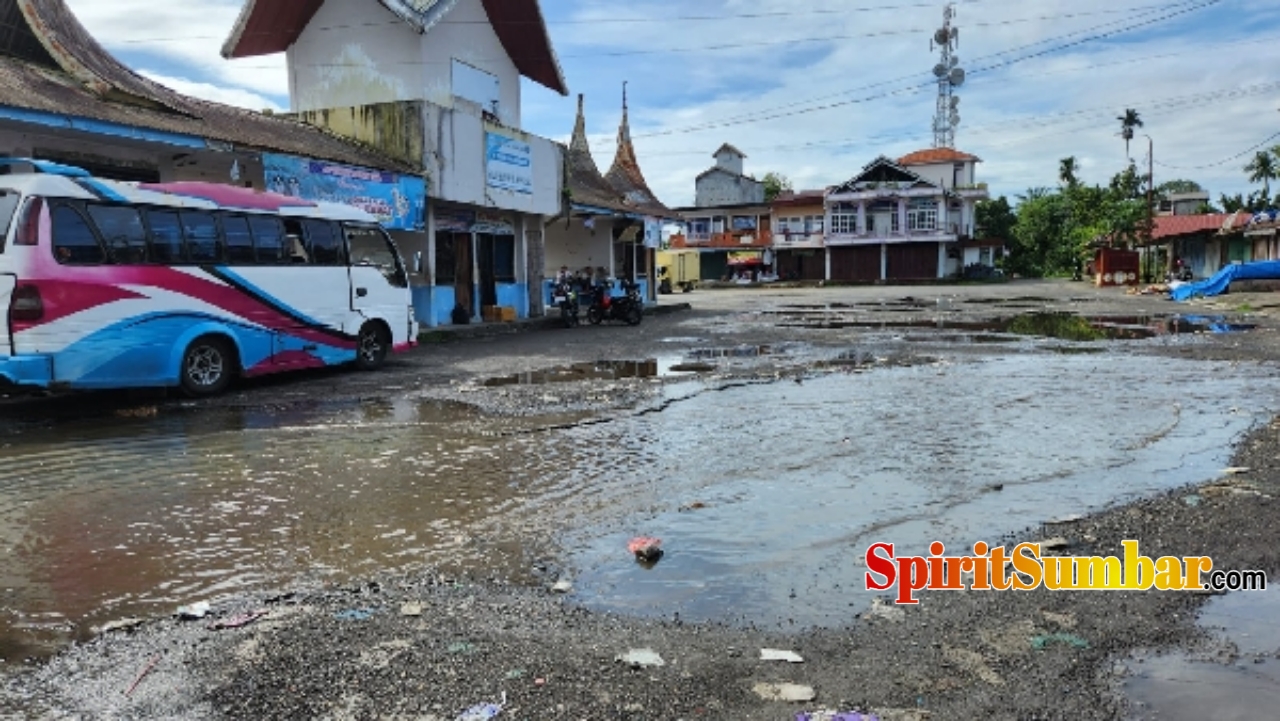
(1151, 189)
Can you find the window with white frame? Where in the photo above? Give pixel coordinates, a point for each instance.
(700, 228)
(844, 219)
(922, 215)
(717, 225)
(813, 224)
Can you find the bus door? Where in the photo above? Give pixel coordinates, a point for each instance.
(7, 283)
(379, 283)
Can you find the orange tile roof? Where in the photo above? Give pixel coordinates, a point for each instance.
(1169, 226)
(936, 155)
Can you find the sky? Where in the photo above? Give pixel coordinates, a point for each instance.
(816, 90)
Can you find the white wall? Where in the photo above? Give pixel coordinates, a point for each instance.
(370, 56)
(455, 162)
(945, 174)
(356, 52)
(576, 247)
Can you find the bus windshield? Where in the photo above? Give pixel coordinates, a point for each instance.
(370, 246)
(8, 206)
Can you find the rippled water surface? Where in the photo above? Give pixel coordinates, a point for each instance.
(783, 486)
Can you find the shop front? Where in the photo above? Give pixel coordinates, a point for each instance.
(476, 267)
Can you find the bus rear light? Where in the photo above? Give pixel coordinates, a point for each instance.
(29, 228)
(25, 304)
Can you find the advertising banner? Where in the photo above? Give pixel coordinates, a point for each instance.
(508, 163)
(398, 201)
(652, 233)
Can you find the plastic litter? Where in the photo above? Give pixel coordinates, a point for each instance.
(243, 619)
(200, 609)
(824, 715)
(355, 614)
(645, 548)
(773, 654)
(562, 586)
(461, 647)
(642, 657)
(1069, 639)
(120, 625)
(1192, 500)
(411, 609)
(784, 692)
(484, 711)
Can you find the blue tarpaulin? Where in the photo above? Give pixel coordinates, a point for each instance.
(1218, 284)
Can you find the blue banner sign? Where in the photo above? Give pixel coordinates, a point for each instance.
(398, 201)
(508, 163)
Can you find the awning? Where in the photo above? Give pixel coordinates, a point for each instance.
(746, 257)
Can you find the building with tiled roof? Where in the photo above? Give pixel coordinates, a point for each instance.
(933, 156)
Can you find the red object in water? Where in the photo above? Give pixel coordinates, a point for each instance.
(645, 547)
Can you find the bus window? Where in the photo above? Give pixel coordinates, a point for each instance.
(369, 247)
(268, 238)
(293, 246)
(73, 240)
(323, 244)
(235, 228)
(166, 236)
(203, 244)
(122, 230)
(8, 206)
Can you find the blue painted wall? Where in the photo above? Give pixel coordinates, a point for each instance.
(433, 305)
(515, 295)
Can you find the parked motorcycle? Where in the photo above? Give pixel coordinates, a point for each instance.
(629, 308)
(565, 297)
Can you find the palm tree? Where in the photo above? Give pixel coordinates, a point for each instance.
(1067, 169)
(1262, 169)
(1128, 122)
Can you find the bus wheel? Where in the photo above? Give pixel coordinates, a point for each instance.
(207, 367)
(371, 350)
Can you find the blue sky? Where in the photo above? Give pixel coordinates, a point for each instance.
(844, 78)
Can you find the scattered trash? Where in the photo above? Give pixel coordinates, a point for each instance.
(563, 587)
(887, 611)
(1233, 487)
(539, 682)
(645, 548)
(461, 647)
(411, 609)
(484, 711)
(772, 654)
(1064, 519)
(146, 670)
(641, 658)
(242, 620)
(514, 674)
(1056, 543)
(199, 609)
(784, 692)
(1234, 471)
(120, 625)
(695, 506)
(355, 614)
(825, 715)
(1192, 500)
(1065, 620)
(1069, 639)
(974, 663)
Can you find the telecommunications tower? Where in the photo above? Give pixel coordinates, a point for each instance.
(950, 76)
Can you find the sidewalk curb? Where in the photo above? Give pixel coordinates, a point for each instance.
(445, 334)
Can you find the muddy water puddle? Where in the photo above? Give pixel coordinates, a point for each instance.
(1052, 325)
(1240, 682)
(765, 493)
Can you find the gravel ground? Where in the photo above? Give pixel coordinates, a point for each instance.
(353, 653)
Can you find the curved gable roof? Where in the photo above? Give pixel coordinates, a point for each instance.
(265, 27)
(586, 185)
(625, 175)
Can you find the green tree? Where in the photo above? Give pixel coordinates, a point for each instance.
(1170, 187)
(1067, 169)
(774, 185)
(1034, 194)
(1128, 122)
(1262, 169)
(995, 219)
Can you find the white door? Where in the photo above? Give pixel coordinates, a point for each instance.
(379, 282)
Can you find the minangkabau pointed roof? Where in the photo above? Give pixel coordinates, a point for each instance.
(586, 185)
(625, 175)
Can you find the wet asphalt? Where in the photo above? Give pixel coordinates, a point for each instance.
(354, 650)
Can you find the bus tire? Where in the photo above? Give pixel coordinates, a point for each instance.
(372, 346)
(207, 366)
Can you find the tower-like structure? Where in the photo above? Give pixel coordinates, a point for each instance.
(950, 76)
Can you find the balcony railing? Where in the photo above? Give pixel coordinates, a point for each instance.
(736, 239)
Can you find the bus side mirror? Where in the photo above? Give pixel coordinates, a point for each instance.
(417, 263)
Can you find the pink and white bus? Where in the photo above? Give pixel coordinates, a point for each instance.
(111, 284)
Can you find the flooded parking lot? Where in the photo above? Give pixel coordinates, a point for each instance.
(765, 492)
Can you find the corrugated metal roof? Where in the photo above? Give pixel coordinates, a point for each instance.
(89, 83)
(1170, 226)
(265, 27)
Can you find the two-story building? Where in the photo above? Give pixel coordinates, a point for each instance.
(730, 222)
(434, 83)
(904, 219)
(799, 235)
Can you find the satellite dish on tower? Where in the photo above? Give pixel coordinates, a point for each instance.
(955, 100)
(955, 118)
(940, 70)
(955, 60)
(942, 36)
(957, 77)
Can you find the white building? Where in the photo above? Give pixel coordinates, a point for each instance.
(435, 83)
(903, 220)
(725, 183)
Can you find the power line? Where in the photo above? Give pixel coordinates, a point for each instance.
(752, 118)
(1224, 161)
